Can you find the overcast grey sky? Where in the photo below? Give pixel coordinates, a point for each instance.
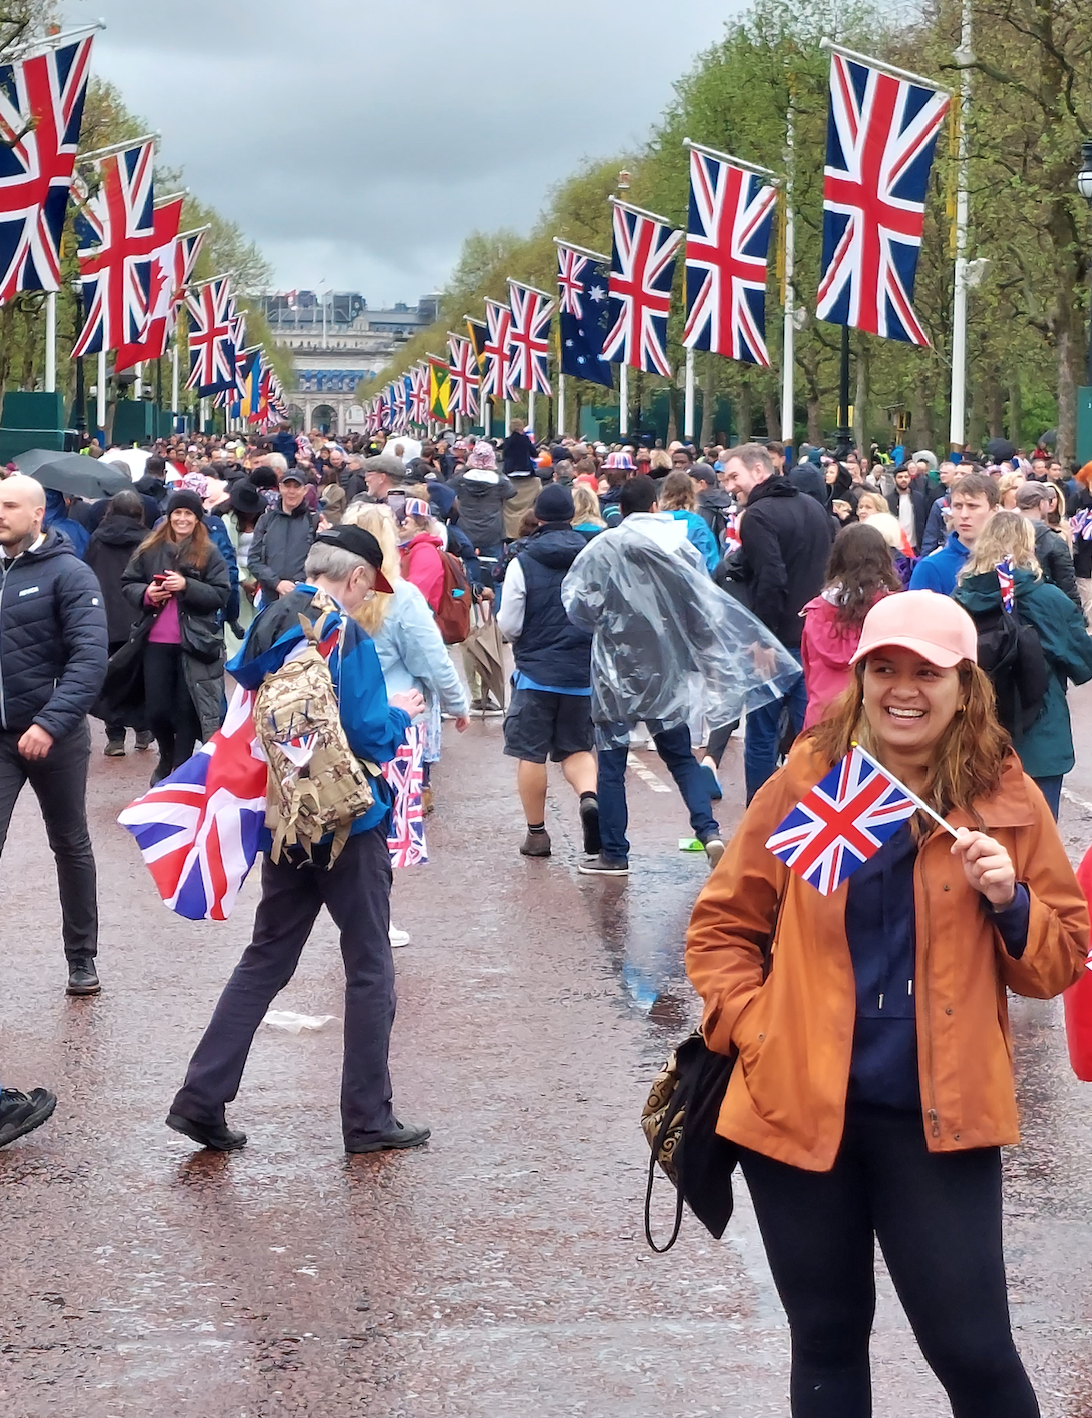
(358, 142)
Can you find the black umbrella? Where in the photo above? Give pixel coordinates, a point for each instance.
(1000, 449)
(74, 474)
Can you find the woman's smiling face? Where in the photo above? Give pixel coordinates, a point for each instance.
(908, 701)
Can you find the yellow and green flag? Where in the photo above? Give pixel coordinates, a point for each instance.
(439, 389)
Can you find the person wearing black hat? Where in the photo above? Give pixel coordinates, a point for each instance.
(180, 583)
(240, 513)
(343, 568)
(282, 539)
(550, 713)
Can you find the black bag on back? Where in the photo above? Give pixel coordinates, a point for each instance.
(1011, 653)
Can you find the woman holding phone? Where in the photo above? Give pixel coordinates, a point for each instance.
(874, 1090)
(181, 582)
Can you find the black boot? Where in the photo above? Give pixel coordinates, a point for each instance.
(83, 978)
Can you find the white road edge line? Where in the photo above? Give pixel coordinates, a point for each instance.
(1082, 803)
(646, 775)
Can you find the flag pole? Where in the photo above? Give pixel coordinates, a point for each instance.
(688, 407)
(788, 353)
(530, 411)
(912, 796)
(507, 418)
(174, 380)
(957, 432)
(560, 405)
(138, 383)
(51, 343)
(623, 400)
(487, 415)
(100, 397)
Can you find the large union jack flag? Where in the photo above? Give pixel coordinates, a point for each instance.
(641, 271)
(161, 308)
(727, 243)
(116, 272)
(496, 350)
(528, 340)
(198, 830)
(463, 381)
(843, 821)
(212, 353)
(405, 778)
(881, 136)
(41, 109)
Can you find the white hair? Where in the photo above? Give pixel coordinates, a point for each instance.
(335, 563)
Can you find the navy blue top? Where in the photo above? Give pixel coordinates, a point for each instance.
(881, 930)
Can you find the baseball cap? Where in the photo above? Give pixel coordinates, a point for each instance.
(931, 625)
(362, 544)
(293, 475)
(1031, 494)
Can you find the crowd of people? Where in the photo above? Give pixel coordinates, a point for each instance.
(936, 611)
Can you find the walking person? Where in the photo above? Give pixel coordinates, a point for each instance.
(109, 552)
(550, 713)
(180, 582)
(874, 1085)
(282, 539)
(342, 570)
(785, 536)
(53, 654)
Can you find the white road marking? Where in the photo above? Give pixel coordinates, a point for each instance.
(1082, 803)
(646, 775)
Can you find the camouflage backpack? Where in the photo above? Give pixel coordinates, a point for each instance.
(315, 784)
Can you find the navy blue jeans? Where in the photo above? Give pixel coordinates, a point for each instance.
(763, 732)
(674, 748)
(1051, 789)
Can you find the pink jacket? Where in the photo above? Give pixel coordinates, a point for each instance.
(825, 649)
(422, 564)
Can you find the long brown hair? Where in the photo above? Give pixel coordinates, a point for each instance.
(967, 763)
(859, 572)
(190, 551)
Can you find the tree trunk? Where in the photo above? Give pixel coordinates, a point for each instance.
(1016, 411)
(773, 414)
(672, 413)
(32, 320)
(976, 421)
(1066, 446)
(994, 407)
(745, 413)
(708, 400)
(860, 402)
(7, 325)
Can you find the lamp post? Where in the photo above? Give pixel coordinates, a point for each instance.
(1084, 187)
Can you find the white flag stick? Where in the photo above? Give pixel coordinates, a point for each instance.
(51, 343)
(623, 400)
(560, 405)
(912, 796)
(688, 407)
(100, 397)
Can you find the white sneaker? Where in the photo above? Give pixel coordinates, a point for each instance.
(398, 937)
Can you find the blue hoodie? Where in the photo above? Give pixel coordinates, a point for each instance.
(940, 571)
(374, 728)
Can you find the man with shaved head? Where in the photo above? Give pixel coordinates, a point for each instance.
(52, 664)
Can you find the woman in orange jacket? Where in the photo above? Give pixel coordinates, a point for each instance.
(874, 1087)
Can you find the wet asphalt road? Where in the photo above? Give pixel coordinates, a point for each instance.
(500, 1271)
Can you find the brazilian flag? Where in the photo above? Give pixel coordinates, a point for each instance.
(439, 389)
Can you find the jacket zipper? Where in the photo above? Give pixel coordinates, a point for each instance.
(925, 995)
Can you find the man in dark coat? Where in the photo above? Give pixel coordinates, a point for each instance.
(282, 540)
(53, 661)
(785, 539)
(109, 552)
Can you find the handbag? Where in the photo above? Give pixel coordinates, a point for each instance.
(679, 1121)
(202, 637)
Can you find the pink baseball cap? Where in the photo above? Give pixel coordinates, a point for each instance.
(931, 625)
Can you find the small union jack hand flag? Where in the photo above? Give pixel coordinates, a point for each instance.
(1006, 579)
(843, 821)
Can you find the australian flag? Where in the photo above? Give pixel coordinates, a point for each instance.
(583, 279)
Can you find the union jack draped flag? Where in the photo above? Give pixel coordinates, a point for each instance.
(464, 376)
(116, 274)
(1006, 581)
(843, 821)
(528, 340)
(727, 243)
(41, 109)
(582, 283)
(198, 830)
(212, 353)
(405, 778)
(641, 271)
(495, 351)
(881, 135)
(420, 394)
(161, 307)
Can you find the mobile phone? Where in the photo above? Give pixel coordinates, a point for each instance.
(159, 576)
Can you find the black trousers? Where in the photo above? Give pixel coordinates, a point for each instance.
(356, 891)
(115, 729)
(60, 784)
(168, 707)
(937, 1217)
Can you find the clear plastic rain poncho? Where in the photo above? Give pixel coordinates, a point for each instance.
(669, 645)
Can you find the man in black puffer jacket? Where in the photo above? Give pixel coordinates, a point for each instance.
(785, 539)
(550, 713)
(52, 665)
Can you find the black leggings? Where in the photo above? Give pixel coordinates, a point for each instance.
(168, 706)
(937, 1217)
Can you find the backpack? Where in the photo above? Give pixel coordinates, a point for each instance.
(315, 785)
(453, 613)
(1011, 654)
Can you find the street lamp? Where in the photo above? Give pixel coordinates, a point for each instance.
(1084, 187)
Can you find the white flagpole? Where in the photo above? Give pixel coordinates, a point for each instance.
(507, 418)
(487, 416)
(530, 411)
(560, 405)
(138, 386)
(100, 397)
(957, 432)
(174, 379)
(203, 413)
(623, 400)
(688, 407)
(789, 326)
(51, 343)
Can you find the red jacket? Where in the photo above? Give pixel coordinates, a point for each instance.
(825, 650)
(423, 565)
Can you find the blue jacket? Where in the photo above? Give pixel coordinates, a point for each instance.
(940, 572)
(697, 531)
(56, 516)
(374, 728)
